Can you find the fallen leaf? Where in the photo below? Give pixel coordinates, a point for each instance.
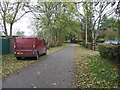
(54, 84)
(34, 86)
(38, 73)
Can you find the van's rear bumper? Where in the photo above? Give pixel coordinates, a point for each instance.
(25, 53)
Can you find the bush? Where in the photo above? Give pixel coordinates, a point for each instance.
(89, 45)
(101, 40)
(109, 51)
(81, 43)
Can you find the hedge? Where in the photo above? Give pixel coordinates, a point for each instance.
(109, 51)
(89, 45)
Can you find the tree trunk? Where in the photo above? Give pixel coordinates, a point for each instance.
(86, 39)
(11, 25)
(119, 29)
(4, 25)
(94, 44)
(94, 37)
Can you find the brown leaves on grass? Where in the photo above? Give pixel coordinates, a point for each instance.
(83, 74)
(92, 71)
(10, 65)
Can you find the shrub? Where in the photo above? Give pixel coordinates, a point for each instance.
(89, 45)
(101, 40)
(109, 51)
(81, 43)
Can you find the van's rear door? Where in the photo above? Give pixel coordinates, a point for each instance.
(24, 43)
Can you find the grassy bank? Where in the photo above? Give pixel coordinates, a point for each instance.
(11, 65)
(92, 71)
(104, 73)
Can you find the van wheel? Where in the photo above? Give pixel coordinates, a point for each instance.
(18, 58)
(45, 52)
(37, 56)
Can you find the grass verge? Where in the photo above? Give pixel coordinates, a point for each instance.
(11, 65)
(53, 49)
(104, 73)
(92, 71)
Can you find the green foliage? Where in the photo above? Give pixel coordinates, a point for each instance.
(92, 71)
(81, 43)
(89, 45)
(20, 33)
(72, 30)
(95, 19)
(56, 21)
(118, 29)
(109, 28)
(109, 51)
(108, 23)
(11, 12)
(109, 34)
(87, 21)
(103, 73)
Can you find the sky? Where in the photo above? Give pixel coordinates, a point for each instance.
(23, 25)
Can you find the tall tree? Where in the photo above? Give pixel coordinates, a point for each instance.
(92, 17)
(54, 19)
(11, 12)
(88, 13)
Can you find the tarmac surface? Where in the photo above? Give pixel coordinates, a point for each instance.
(54, 70)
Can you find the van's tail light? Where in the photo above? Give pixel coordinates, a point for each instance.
(33, 44)
(15, 45)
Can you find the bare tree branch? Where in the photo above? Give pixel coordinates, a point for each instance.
(22, 16)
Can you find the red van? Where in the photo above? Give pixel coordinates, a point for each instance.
(29, 47)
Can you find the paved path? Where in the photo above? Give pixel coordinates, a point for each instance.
(52, 71)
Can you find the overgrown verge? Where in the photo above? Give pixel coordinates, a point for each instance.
(92, 71)
(11, 65)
